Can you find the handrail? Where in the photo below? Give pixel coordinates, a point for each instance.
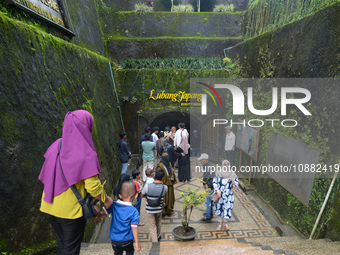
(225, 54)
(114, 85)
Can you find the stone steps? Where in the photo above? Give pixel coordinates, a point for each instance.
(121, 48)
(255, 246)
(225, 246)
(297, 245)
(156, 24)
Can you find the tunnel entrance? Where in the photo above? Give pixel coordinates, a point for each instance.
(167, 119)
(173, 118)
(208, 134)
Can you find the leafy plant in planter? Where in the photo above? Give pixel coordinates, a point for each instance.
(191, 199)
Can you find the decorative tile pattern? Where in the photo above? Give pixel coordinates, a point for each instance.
(259, 226)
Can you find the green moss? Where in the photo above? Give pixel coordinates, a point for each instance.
(259, 20)
(170, 38)
(44, 77)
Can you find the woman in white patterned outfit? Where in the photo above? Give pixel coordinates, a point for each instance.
(223, 184)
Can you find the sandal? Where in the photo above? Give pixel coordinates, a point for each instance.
(219, 226)
(226, 226)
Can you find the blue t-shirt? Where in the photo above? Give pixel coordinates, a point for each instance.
(148, 150)
(124, 218)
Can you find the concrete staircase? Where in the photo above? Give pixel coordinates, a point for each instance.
(256, 246)
(172, 35)
(298, 245)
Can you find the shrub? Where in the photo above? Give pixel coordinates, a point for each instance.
(183, 8)
(181, 63)
(223, 8)
(191, 199)
(142, 8)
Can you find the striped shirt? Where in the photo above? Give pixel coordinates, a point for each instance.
(152, 192)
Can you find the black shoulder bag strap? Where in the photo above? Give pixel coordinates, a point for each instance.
(160, 196)
(73, 187)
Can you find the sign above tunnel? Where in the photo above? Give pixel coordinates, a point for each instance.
(181, 97)
(53, 12)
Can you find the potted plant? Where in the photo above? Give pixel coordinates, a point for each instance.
(191, 199)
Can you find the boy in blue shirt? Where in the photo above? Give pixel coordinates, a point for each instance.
(125, 219)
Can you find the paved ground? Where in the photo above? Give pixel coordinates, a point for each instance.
(247, 221)
(253, 231)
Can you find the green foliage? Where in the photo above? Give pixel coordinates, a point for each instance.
(223, 8)
(183, 8)
(182, 63)
(266, 15)
(191, 199)
(142, 8)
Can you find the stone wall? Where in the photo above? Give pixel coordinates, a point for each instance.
(42, 78)
(131, 24)
(305, 48)
(84, 18)
(123, 48)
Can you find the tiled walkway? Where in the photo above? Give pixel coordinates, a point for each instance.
(246, 222)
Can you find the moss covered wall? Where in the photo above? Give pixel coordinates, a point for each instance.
(168, 47)
(306, 48)
(266, 15)
(84, 18)
(42, 78)
(309, 47)
(131, 24)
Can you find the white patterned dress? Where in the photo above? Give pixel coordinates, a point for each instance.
(226, 203)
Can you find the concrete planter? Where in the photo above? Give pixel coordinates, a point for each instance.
(184, 238)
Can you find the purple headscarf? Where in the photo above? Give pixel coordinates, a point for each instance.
(78, 156)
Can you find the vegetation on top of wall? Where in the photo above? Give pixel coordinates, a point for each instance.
(142, 8)
(223, 8)
(266, 15)
(181, 63)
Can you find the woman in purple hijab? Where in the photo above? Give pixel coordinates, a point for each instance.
(80, 164)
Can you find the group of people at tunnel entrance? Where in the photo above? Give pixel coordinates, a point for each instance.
(169, 148)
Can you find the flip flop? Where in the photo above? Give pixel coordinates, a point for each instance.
(226, 227)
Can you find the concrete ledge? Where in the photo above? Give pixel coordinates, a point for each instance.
(132, 24)
(168, 47)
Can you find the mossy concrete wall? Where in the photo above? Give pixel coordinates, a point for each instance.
(306, 48)
(131, 24)
(84, 18)
(42, 78)
(309, 47)
(266, 15)
(168, 47)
